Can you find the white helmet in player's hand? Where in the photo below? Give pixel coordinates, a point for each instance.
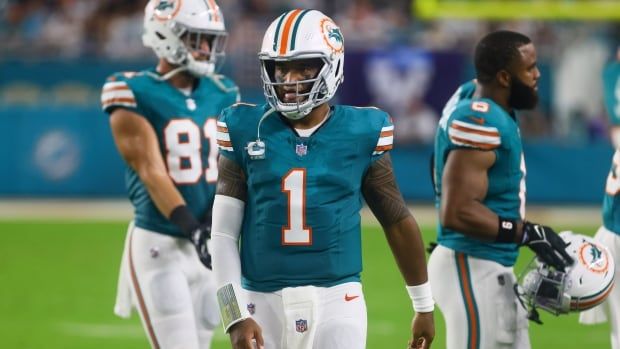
(175, 29)
(299, 35)
(585, 284)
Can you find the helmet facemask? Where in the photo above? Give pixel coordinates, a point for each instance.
(190, 42)
(545, 288)
(307, 98)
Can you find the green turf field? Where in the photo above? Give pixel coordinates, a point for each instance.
(58, 283)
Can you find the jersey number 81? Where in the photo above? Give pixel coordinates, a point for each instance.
(183, 142)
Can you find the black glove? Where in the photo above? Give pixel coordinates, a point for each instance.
(547, 244)
(431, 247)
(199, 238)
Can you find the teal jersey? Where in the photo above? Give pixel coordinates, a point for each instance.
(301, 224)
(465, 91)
(186, 129)
(611, 200)
(479, 123)
(611, 92)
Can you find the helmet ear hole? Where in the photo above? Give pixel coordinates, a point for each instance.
(270, 67)
(337, 68)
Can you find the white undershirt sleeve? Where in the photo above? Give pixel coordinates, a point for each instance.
(225, 230)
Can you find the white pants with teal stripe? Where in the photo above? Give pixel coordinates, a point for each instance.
(477, 301)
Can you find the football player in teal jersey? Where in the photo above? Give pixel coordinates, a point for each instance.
(609, 233)
(479, 175)
(164, 124)
(286, 223)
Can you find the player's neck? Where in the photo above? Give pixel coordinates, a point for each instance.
(180, 80)
(316, 116)
(496, 94)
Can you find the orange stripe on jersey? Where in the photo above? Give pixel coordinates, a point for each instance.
(484, 146)
(475, 131)
(222, 129)
(287, 30)
(387, 133)
(384, 147)
(116, 88)
(119, 100)
(224, 143)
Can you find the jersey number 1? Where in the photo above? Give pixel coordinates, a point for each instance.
(296, 232)
(183, 142)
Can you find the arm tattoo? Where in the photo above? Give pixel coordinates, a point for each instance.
(382, 194)
(231, 180)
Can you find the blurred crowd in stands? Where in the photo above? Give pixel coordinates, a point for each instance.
(111, 29)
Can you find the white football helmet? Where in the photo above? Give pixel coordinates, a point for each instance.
(585, 284)
(175, 28)
(297, 35)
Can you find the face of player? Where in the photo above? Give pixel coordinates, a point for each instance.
(524, 79)
(199, 44)
(289, 74)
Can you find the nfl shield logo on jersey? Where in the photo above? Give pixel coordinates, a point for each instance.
(251, 308)
(301, 325)
(301, 149)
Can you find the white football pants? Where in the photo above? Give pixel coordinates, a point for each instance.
(311, 317)
(162, 277)
(478, 302)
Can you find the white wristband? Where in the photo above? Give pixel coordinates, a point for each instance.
(422, 297)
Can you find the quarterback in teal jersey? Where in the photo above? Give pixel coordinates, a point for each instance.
(609, 233)
(286, 223)
(479, 176)
(164, 124)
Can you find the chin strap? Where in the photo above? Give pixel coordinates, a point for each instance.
(532, 312)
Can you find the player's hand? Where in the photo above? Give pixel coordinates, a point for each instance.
(547, 244)
(246, 334)
(199, 238)
(423, 328)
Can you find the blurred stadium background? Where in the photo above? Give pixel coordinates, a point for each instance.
(63, 211)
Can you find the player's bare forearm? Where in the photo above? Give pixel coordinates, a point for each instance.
(137, 143)
(406, 243)
(464, 187)
(162, 190)
(387, 204)
(231, 180)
